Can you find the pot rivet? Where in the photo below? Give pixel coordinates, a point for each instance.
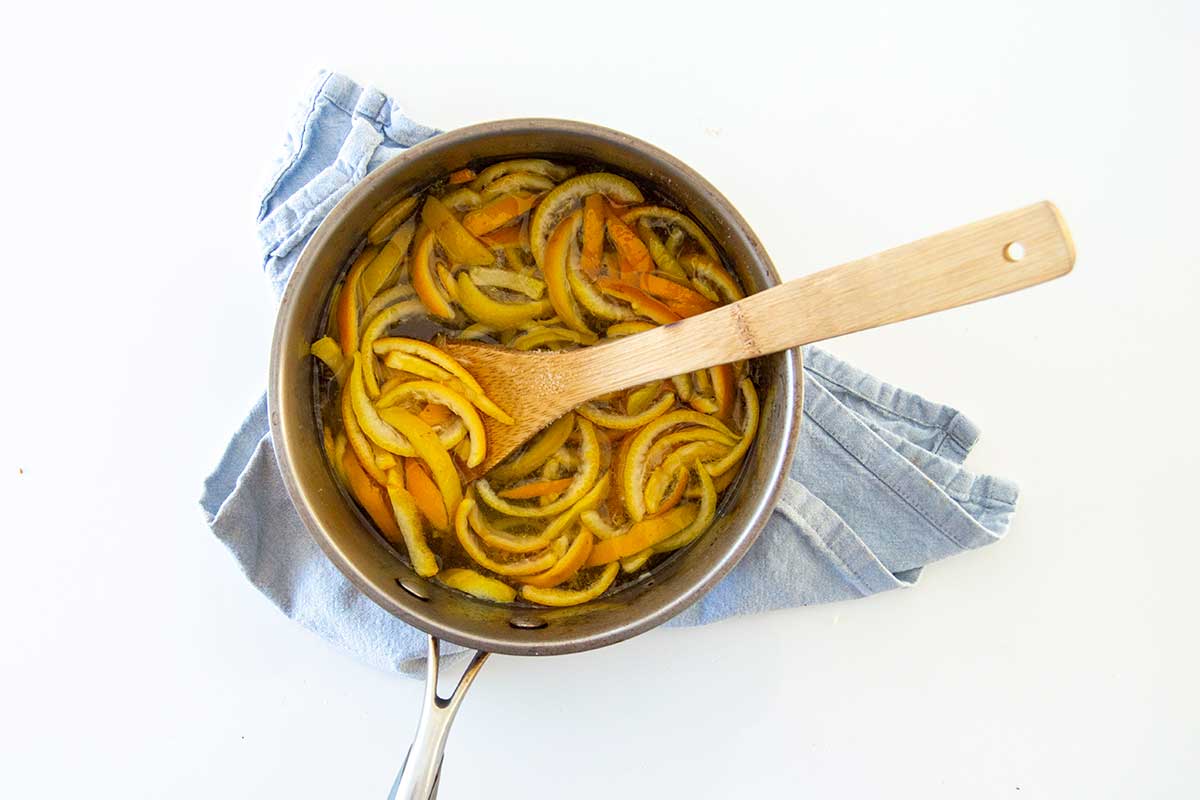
(528, 622)
(417, 590)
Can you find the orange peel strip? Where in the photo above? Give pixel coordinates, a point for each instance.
(527, 285)
(386, 267)
(477, 585)
(434, 392)
(671, 292)
(536, 453)
(460, 244)
(705, 269)
(567, 597)
(705, 515)
(677, 491)
(401, 210)
(408, 517)
(375, 329)
(663, 257)
(724, 389)
(749, 429)
(571, 562)
(503, 237)
(423, 281)
(585, 479)
(554, 269)
(540, 488)
(498, 212)
(646, 533)
(642, 303)
(360, 445)
(669, 216)
(470, 387)
(517, 182)
(673, 466)
(370, 496)
(538, 166)
(626, 422)
(425, 494)
(562, 199)
(594, 211)
(470, 543)
(528, 543)
(348, 309)
(635, 466)
(639, 399)
(414, 438)
(546, 336)
(628, 245)
(504, 316)
(413, 366)
(628, 328)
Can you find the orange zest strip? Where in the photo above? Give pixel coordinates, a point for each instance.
(686, 310)
(593, 235)
(421, 271)
(724, 389)
(616, 498)
(348, 306)
(672, 500)
(370, 496)
(571, 562)
(527, 491)
(628, 245)
(501, 211)
(503, 236)
(642, 303)
(646, 533)
(434, 414)
(554, 271)
(425, 492)
(671, 292)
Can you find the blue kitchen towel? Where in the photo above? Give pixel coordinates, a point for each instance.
(876, 492)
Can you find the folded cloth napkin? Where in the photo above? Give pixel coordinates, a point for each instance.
(876, 491)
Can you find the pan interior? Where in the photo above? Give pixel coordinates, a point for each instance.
(369, 562)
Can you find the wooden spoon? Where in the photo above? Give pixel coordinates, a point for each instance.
(975, 262)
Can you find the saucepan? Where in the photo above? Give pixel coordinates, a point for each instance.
(381, 572)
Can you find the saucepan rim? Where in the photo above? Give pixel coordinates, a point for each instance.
(402, 596)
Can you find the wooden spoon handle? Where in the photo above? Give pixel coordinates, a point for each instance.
(965, 265)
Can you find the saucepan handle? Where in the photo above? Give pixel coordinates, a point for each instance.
(418, 778)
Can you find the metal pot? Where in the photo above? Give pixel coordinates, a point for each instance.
(381, 572)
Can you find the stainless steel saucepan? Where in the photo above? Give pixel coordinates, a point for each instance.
(383, 573)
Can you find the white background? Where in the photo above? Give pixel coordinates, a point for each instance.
(1062, 662)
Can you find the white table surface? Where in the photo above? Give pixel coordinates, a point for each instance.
(1061, 662)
